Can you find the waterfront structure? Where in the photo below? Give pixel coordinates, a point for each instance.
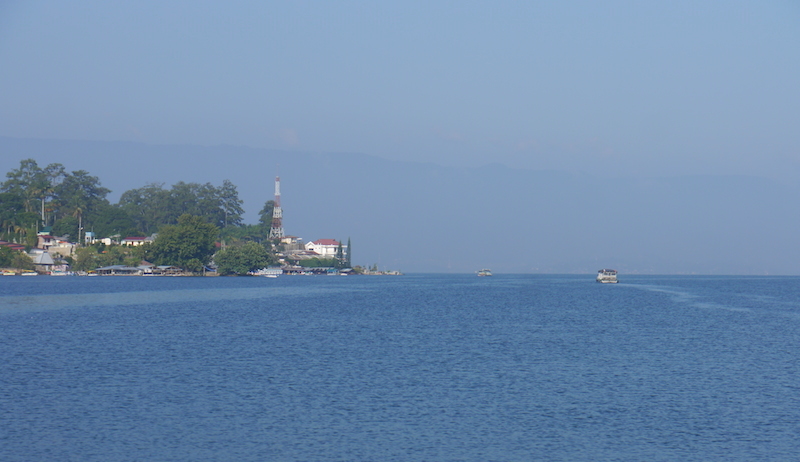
(276, 230)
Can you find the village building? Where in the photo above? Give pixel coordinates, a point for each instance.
(42, 261)
(135, 241)
(326, 248)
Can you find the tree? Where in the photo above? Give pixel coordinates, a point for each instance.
(189, 244)
(67, 226)
(28, 182)
(340, 256)
(52, 193)
(244, 233)
(153, 206)
(80, 195)
(85, 259)
(348, 261)
(242, 259)
(54, 175)
(21, 261)
(11, 206)
(231, 204)
(6, 256)
(148, 207)
(265, 215)
(109, 220)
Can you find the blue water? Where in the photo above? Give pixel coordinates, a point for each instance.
(416, 367)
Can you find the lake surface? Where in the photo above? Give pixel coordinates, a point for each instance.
(415, 367)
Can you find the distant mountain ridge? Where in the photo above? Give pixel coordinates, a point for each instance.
(424, 217)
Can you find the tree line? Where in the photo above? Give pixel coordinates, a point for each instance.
(189, 219)
(73, 203)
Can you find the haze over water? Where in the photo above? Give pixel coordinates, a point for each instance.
(529, 137)
(419, 367)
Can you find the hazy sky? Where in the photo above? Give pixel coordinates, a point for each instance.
(609, 88)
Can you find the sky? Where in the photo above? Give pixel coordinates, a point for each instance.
(623, 92)
(612, 88)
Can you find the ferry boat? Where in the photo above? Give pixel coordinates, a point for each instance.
(485, 272)
(607, 276)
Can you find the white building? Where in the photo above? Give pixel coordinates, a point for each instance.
(326, 248)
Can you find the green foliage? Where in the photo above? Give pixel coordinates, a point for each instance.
(85, 259)
(10, 207)
(319, 263)
(52, 193)
(231, 204)
(112, 255)
(21, 261)
(233, 234)
(75, 202)
(29, 182)
(17, 224)
(148, 207)
(189, 244)
(67, 226)
(241, 259)
(6, 256)
(152, 206)
(265, 215)
(340, 252)
(79, 195)
(98, 256)
(110, 220)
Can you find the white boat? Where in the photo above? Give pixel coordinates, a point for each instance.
(268, 272)
(607, 276)
(485, 272)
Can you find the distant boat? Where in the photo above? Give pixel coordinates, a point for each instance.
(267, 272)
(485, 272)
(607, 276)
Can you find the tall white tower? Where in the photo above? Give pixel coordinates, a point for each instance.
(276, 230)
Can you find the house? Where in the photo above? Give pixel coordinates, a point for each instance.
(62, 248)
(326, 248)
(91, 238)
(44, 241)
(42, 260)
(133, 241)
(55, 245)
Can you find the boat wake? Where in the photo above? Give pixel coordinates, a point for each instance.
(689, 299)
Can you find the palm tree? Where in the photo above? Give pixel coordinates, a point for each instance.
(19, 231)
